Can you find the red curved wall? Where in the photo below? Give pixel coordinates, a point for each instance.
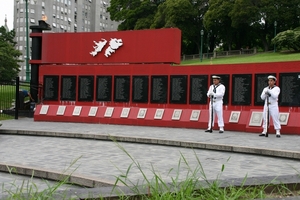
(147, 52)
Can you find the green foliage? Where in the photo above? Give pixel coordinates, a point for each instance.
(9, 56)
(232, 24)
(133, 14)
(30, 191)
(289, 39)
(190, 187)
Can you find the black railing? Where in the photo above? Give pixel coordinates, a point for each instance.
(9, 99)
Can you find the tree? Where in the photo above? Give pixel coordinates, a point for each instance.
(133, 14)
(218, 20)
(289, 39)
(9, 56)
(187, 15)
(259, 16)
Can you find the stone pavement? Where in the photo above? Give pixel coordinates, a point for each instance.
(86, 151)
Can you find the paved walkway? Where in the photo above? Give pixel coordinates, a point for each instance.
(86, 151)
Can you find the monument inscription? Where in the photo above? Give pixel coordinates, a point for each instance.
(140, 85)
(198, 89)
(241, 94)
(121, 88)
(86, 88)
(68, 88)
(103, 88)
(178, 89)
(51, 88)
(159, 89)
(289, 89)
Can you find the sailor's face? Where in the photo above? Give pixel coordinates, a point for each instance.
(271, 82)
(216, 81)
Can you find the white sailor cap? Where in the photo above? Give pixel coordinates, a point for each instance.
(272, 77)
(216, 77)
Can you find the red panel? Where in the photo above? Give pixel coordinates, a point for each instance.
(165, 69)
(142, 46)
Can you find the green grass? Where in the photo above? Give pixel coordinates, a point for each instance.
(257, 58)
(191, 187)
(29, 190)
(7, 97)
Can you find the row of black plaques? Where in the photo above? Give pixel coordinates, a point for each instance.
(241, 88)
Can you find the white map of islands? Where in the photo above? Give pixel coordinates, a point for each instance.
(114, 44)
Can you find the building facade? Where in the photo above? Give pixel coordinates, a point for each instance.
(62, 16)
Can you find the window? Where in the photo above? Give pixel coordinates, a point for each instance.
(31, 10)
(32, 21)
(54, 25)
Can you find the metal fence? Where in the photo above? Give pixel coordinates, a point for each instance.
(220, 54)
(9, 98)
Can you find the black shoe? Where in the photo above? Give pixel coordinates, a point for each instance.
(278, 136)
(221, 131)
(262, 134)
(208, 131)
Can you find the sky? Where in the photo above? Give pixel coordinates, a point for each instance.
(7, 8)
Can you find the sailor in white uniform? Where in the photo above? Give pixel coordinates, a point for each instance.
(270, 96)
(216, 92)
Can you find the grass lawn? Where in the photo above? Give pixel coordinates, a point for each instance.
(257, 58)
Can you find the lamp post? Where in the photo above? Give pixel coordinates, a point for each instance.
(275, 25)
(202, 33)
(27, 44)
(208, 43)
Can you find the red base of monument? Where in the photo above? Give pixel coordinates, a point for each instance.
(167, 119)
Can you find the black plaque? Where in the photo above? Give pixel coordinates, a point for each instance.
(68, 88)
(241, 85)
(198, 89)
(140, 85)
(261, 81)
(121, 88)
(178, 89)
(289, 89)
(225, 81)
(51, 88)
(85, 88)
(159, 89)
(104, 88)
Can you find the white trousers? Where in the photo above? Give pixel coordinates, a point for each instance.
(217, 110)
(274, 114)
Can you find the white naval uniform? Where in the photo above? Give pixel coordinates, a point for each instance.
(273, 105)
(217, 104)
